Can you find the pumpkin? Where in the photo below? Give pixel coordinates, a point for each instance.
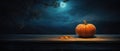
(85, 29)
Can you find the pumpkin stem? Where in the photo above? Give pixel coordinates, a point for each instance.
(85, 22)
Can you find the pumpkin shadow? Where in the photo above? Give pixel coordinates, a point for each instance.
(86, 37)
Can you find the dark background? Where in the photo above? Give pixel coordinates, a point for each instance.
(32, 16)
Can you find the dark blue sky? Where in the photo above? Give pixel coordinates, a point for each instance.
(32, 16)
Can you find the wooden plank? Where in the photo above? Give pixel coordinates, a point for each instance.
(30, 37)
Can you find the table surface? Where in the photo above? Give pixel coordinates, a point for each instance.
(37, 37)
(38, 42)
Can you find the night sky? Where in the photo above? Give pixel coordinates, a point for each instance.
(39, 17)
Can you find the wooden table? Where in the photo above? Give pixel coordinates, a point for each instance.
(53, 43)
(31, 37)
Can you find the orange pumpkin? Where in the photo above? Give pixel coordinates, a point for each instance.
(85, 30)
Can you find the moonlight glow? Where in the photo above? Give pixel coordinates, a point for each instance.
(62, 4)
